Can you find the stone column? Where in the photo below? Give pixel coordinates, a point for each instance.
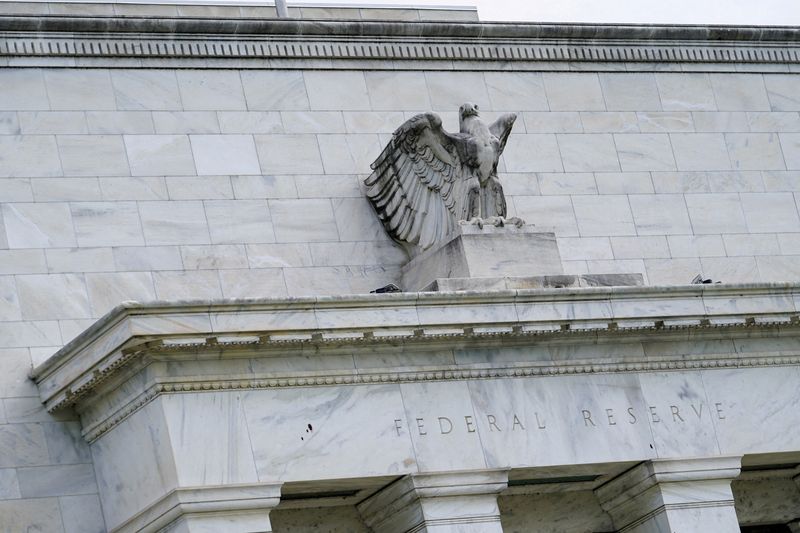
(460, 502)
(680, 496)
(794, 525)
(231, 509)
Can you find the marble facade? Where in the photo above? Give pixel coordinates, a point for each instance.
(465, 395)
(187, 342)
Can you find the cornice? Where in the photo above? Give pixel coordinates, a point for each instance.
(288, 43)
(311, 306)
(419, 322)
(189, 384)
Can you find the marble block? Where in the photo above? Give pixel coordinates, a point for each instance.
(674, 495)
(455, 502)
(488, 252)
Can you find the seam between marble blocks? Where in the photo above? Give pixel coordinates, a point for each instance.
(21, 44)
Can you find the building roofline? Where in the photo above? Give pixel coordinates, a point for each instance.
(133, 329)
(368, 28)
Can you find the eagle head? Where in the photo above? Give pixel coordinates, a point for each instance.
(468, 110)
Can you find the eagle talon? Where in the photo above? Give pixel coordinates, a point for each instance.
(497, 222)
(518, 222)
(475, 221)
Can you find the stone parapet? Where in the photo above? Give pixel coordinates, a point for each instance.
(246, 10)
(175, 39)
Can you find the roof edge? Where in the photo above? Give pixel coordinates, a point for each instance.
(368, 28)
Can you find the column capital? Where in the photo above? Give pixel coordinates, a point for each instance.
(661, 486)
(234, 509)
(418, 502)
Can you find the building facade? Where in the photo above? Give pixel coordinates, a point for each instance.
(188, 342)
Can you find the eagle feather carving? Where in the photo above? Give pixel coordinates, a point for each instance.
(427, 180)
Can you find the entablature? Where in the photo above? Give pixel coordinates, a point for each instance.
(320, 341)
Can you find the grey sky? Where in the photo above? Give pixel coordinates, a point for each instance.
(761, 12)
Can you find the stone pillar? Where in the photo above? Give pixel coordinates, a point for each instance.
(460, 502)
(231, 509)
(794, 525)
(676, 496)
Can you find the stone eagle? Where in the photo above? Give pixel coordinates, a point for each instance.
(427, 180)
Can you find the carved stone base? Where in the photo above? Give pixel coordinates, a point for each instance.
(488, 252)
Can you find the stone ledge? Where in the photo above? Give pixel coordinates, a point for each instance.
(114, 322)
(136, 334)
(535, 282)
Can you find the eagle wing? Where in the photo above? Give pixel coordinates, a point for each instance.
(501, 128)
(418, 183)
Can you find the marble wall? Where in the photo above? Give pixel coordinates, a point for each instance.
(140, 184)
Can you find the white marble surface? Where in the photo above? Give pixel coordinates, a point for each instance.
(488, 252)
(127, 487)
(551, 421)
(674, 495)
(762, 409)
(330, 429)
(443, 426)
(438, 503)
(331, 432)
(83, 235)
(685, 413)
(218, 422)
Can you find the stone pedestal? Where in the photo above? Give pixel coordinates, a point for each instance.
(488, 252)
(463, 502)
(680, 496)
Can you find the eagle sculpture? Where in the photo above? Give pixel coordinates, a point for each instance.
(427, 180)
